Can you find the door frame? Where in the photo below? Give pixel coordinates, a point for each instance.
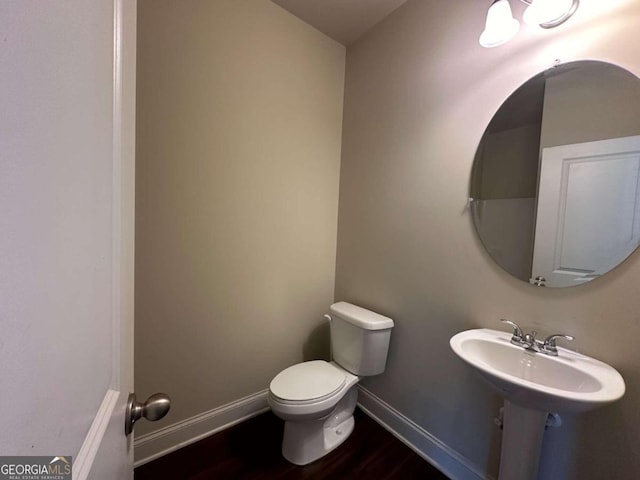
(111, 411)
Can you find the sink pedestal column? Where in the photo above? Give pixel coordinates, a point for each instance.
(523, 430)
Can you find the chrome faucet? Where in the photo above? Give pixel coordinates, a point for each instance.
(529, 342)
(549, 346)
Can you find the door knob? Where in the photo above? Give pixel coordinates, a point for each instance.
(156, 407)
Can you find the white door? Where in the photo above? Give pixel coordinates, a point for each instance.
(588, 217)
(67, 126)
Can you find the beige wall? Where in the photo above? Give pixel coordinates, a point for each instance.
(419, 92)
(580, 107)
(508, 164)
(239, 131)
(505, 226)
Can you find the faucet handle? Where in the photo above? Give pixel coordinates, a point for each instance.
(517, 331)
(549, 345)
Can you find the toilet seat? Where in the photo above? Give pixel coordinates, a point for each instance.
(307, 382)
(336, 382)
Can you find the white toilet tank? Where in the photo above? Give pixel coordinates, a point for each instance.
(359, 339)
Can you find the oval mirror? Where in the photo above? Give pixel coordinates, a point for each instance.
(555, 186)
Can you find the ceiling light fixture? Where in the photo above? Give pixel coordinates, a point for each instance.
(501, 27)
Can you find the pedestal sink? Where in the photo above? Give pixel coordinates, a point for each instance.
(534, 385)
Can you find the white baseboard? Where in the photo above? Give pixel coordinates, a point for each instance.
(444, 458)
(84, 460)
(168, 439)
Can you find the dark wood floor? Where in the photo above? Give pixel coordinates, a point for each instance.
(251, 451)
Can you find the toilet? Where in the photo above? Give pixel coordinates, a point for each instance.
(316, 399)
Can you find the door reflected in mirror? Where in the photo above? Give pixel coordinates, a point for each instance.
(555, 185)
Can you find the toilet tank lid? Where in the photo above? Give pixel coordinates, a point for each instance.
(361, 317)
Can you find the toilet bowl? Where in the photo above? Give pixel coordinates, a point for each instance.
(316, 399)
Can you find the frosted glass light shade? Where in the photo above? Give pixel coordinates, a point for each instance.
(546, 11)
(500, 26)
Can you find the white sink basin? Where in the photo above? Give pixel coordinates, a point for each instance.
(570, 382)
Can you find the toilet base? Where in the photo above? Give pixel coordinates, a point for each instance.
(305, 442)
